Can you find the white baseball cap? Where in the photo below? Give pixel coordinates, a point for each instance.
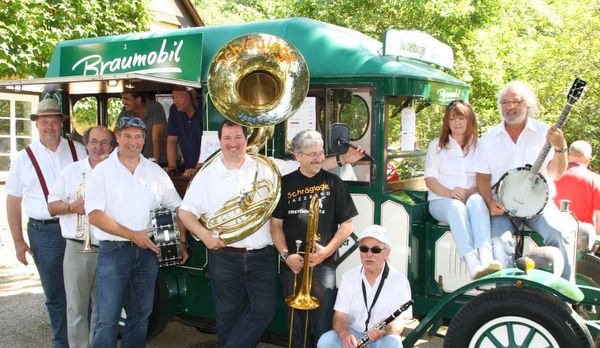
(377, 232)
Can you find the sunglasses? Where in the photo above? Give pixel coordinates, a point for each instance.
(375, 250)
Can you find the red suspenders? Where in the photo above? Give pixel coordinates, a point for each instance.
(38, 170)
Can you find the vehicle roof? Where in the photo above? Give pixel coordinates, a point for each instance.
(329, 50)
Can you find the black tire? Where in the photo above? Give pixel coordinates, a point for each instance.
(588, 273)
(158, 319)
(490, 320)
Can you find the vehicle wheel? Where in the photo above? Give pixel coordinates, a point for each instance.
(511, 317)
(588, 273)
(158, 319)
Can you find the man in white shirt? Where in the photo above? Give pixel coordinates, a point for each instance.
(79, 268)
(244, 268)
(120, 194)
(515, 142)
(30, 176)
(368, 294)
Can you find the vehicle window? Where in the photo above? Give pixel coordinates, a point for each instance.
(84, 114)
(407, 139)
(353, 107)
(114, 109)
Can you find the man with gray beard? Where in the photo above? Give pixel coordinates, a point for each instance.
(513, 143)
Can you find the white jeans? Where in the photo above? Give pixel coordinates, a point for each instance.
(469, 223)
(80, 288)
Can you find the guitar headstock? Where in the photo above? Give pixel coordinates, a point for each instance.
(576, 91)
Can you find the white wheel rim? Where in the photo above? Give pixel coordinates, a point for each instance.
(512, 330)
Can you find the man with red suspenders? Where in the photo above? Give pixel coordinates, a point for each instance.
(32, 172)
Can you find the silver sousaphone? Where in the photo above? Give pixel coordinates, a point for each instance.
(256, 80)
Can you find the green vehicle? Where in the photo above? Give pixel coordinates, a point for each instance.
(391, 96)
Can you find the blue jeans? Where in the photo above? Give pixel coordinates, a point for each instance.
(331, 340)
(48, 248)
(469, 223)
(237, 277)
(323, 288)
(548, 224)
(125, 272)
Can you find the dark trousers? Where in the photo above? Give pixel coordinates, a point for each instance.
(48, 248)
(323, 288)
(244, 293)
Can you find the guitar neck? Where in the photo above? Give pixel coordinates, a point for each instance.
(535, 169)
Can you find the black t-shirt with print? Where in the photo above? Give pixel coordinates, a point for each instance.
(297, 191)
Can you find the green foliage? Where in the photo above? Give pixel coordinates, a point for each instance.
(29, 29)
(544, 43)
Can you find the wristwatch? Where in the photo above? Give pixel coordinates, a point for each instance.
(339, 161)
(563, 150)
(283, 256)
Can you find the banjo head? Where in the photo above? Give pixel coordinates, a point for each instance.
(522, 193)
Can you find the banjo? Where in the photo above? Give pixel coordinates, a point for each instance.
(524, 191)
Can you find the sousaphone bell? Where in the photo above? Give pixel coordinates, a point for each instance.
(256, 80)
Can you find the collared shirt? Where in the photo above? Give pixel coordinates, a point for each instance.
(497, 153)
(65, 189)
(394, 293)
(581, 186)
(188, 131)
(23, 180)
(450, 166)
(216, 184)
(154, 114)
(128, 198)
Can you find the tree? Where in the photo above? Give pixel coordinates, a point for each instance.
(30, 29)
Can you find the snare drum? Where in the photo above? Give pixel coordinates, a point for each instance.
(165, 233)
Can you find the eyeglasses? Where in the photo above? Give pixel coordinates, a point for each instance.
(508, 102)
(375, 250)
(314, 154)
(102, 143)
(126, 121)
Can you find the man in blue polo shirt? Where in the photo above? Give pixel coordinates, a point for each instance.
(184, 127)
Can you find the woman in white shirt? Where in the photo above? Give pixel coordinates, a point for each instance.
(453, 197)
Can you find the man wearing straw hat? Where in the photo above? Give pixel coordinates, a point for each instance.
(33, 171)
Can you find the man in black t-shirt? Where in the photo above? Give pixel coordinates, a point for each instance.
(289, 223)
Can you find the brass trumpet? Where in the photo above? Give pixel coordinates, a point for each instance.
(302, 299)
(83, 225)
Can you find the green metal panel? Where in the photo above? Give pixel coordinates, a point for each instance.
(331, 52)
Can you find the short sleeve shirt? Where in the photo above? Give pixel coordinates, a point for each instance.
(23, 180)
(450, 166)
(216, 184)
(497, 153)
(394, 293)
(128, 198)
(154, 115)
(297, 191)
(582, 187)
(188, 131)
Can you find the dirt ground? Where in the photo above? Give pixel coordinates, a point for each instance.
(25, 321)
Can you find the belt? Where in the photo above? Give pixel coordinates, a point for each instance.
(45, 222)
(243, 250)
(79, 241)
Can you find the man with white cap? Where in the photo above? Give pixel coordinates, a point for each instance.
(367, 295)
(32, 173)
(120, 193)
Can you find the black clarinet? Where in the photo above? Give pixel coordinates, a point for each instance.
(365, 339)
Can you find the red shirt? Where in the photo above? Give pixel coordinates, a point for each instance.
(582, 187)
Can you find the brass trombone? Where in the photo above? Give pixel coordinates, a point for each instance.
(303, 300)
